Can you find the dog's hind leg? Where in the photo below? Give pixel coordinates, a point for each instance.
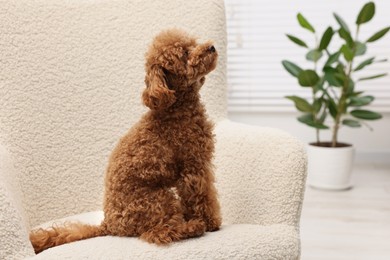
(174, 230)
(166, 218)
(199, 196)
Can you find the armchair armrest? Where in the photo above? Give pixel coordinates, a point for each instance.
(261, 174)
(14, 241)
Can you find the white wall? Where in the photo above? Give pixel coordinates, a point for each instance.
(370, 145)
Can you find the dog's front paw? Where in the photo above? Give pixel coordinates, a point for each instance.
(213, 224)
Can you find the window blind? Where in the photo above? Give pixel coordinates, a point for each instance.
(257, 44)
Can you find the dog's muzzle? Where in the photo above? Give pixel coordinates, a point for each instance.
(211, 48)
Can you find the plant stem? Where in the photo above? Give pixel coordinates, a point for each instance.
(314, 98)
(335, 130)
(341, 106)
(315, 118)
(343, 99)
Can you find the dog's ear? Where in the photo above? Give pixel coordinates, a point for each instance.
(157, 95)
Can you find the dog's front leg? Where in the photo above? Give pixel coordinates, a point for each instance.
(199, 196)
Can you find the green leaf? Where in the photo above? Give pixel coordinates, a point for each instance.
(351, 123)
(304, 23)
(360, 48)
(323, 116)
(358, 93)
(309, 120)
(347, 52)
(331, 78)
(308, 78)
(340, 68)
(378, 35)
(366, 13)
(332, 59)
(297, 40)
(360, 101)
(319, 125)
(319, 85)
(350, 87)
(306, 118)
(346, 36)
(317, 104)
(301, 104)
(373, 77)
(326, 38)
(314, 55)
(366, 114)
(332, 108)
(291, 68)
(341, 22)
(364, 63)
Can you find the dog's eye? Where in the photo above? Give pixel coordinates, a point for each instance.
(186, 53)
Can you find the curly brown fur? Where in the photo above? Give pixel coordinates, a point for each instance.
(159, 181)
(42, 239)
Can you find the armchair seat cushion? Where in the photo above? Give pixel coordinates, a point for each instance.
(239, 241)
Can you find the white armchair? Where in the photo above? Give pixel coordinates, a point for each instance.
(71, 76)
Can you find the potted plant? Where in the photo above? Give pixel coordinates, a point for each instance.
(332, 82)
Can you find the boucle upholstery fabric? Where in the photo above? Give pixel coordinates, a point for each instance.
(14, 243)
(71, 76)
(261, 174)
(232, 242)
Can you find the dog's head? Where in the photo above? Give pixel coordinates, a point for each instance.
(175, 63)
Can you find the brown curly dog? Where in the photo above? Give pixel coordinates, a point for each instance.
(159, 181)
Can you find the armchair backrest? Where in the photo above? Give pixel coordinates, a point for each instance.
(71, 76)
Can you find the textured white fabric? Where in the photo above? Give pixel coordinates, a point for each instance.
(71, 76)
(261, 174)
(14, 242)
(240, 241)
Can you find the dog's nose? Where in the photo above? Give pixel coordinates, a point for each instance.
(211, 48)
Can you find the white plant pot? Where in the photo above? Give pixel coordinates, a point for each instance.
(330, 168)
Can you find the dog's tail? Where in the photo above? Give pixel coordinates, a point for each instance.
(43, 239)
